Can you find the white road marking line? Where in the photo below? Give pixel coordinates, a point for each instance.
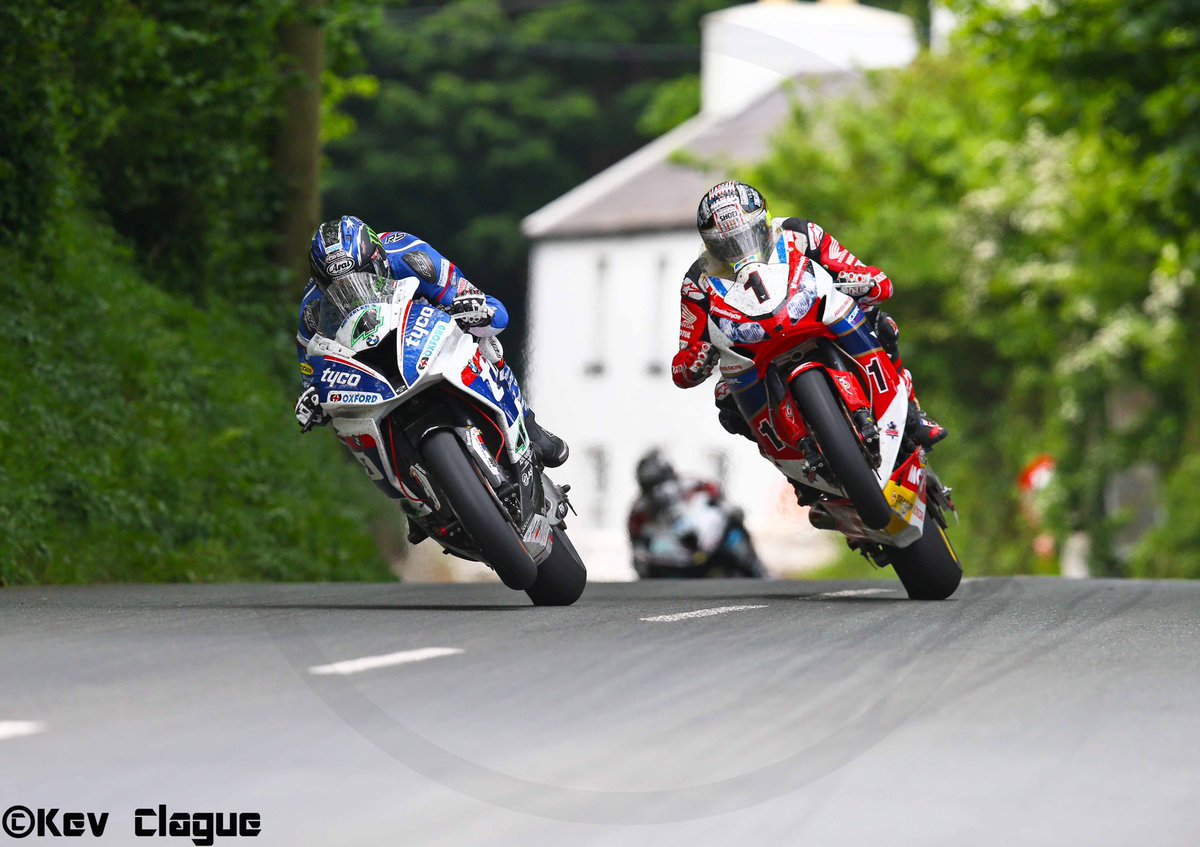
(850, 592)
(370, 663)
(19, 729)
(701, 613)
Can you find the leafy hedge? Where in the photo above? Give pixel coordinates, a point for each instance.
(149, 372)
(148, 439)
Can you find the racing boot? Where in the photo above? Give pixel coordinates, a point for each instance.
(550, 450)
(924, 430)
(730, 416)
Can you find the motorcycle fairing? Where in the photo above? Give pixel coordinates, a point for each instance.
(345, 382)
(376, 453)
(426, 329)
(426, 352)
(756, 344)
(906, 492)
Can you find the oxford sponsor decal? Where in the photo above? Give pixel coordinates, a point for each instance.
(351, 397)
(435, 338)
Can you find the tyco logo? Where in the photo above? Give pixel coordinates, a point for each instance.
(332, 377)
(420, 327)
(21, 821)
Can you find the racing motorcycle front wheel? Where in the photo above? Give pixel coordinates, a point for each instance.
(562, 577)
(928, 568)
(841, 447)
(457, 478)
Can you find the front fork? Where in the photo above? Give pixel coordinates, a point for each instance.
(854, 395)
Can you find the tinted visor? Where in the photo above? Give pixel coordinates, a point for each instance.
(750, 241)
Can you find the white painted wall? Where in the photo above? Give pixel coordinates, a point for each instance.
(604, 318)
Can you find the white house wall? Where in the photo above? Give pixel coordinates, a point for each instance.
(604, 317)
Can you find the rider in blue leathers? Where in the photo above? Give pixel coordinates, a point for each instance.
(348, 245)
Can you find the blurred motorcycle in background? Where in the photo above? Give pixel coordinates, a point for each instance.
(684, 529)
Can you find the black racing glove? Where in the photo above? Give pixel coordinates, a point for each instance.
(308, 410)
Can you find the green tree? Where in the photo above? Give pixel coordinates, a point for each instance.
(149, 434)
(489, 110)
(1027, 191)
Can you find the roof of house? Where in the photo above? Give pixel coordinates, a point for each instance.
(660, 185)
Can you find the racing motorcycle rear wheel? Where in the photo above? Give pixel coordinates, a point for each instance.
(476, 508)
(841, 448)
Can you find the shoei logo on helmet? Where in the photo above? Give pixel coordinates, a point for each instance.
(339, 266)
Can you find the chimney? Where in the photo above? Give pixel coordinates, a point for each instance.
(746, 51)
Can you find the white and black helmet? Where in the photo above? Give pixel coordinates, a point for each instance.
(733, 222)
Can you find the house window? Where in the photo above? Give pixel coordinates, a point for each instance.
(598, 459)
(594, 364)
(658, 320)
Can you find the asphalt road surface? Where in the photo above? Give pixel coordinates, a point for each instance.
(1021, 711)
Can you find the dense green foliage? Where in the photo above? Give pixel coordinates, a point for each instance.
(1032, 191)
(1032, 194)
(147, 431)
(488, 110)
(155, 443)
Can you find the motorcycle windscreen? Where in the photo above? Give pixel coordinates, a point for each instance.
(346, 295)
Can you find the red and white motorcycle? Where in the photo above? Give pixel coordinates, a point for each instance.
(834, 424)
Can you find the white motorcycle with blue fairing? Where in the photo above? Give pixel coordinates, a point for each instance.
(440, 429)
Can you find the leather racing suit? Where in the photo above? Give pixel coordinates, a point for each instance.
(439, 281)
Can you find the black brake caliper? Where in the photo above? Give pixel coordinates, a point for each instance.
(813, 460)
(867, 428)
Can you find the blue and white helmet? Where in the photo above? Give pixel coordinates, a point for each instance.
(343, 247)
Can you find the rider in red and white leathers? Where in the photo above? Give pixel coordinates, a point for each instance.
(736, 228)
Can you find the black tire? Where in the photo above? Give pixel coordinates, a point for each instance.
(928, 568)
(840, 447)
(456, 478)
(562, 577)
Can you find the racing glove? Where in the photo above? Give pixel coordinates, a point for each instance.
(470, 309)
(308, 410)
(857, 284)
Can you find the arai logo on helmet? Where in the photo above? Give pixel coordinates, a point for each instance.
(339, 266)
